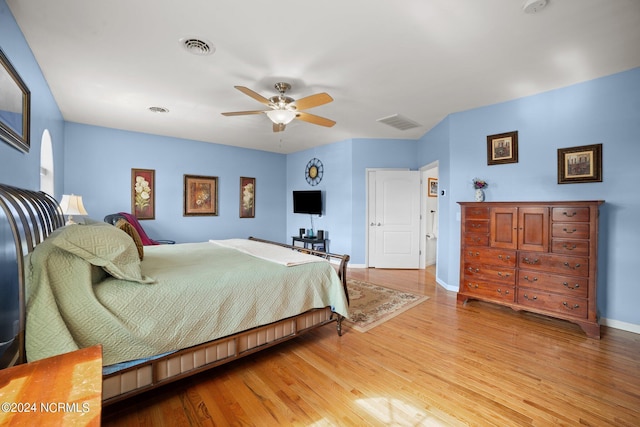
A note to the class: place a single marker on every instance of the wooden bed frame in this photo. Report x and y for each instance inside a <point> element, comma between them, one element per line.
<point>28,217</point>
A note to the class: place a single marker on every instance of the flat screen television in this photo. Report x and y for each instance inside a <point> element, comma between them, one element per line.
<point>308,202</point>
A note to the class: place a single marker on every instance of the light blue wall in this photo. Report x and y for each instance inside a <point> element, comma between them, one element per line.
<point>96,162</point>
<point>344,187</point>
<point>434,146</point>
<point>607,111</point>
<point>99,168</point>
<point>337,192</point>
<point>18,168</point>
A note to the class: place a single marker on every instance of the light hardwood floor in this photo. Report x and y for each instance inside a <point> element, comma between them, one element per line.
<point>437,364</point>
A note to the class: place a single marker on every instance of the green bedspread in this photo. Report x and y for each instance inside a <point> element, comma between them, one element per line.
<point>185,294</point>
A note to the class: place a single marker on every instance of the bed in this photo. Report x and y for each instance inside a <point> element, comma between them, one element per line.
<point>161,313</point>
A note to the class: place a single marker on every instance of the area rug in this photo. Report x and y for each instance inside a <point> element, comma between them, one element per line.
<point>371,304</point>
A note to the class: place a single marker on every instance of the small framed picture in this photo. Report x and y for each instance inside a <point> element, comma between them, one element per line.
<point>433,187</point>
<point>580,164</point>
<point>200,195</point>
<point>143,198</point>
<point>247,197</point>
<point>502,148</point>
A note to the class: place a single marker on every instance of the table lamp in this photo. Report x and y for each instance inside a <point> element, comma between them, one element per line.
<point>72,205</point>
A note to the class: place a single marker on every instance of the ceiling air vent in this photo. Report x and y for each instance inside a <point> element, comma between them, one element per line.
<point>197,46</point>
<point>399,122</point>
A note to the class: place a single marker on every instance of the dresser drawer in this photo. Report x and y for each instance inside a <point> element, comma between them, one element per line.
<point>490,256</point>
<point>473,271</point>
<point>571,286</point>
<point>577,214</point>
<point>479,212</point>
<point>489,290</point>
<point>572,247</point>
<point>471,226</point>
<point>569,230</point>
<point>476,239</point>
<point>568,265</point>
<point>541,300</point>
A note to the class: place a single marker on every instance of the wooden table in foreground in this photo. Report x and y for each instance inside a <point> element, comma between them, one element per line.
<point>60,390</point>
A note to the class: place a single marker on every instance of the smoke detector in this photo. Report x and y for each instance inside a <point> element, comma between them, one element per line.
<point>533,6</point>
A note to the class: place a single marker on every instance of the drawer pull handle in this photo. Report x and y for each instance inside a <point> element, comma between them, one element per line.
<point>569,232</point>
<point>531,299</point>
<point>475,225</point>
<point>508,257</point>
<point>566,264</point>
<point>569,248</point>
<point>569,214</point>
<point>576,286</point>
<point>500,291</point>
<point>472,286</point>
<point>535,279</point>
<point>528,261</point>
<point>504,275</point>
<point>571,308</point>
<point>472,254</point>
<point>473,270</point>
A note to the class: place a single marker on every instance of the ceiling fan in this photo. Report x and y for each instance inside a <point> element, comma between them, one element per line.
<point>284,109</point>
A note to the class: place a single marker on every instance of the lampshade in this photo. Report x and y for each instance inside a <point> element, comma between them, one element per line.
<point>281,116</point>
<point>72,205</point>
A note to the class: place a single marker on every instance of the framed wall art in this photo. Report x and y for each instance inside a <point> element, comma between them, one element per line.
<point>200,195</point>
<point>143,188</point>
<point>502,148</point>
<point>247,197</point>
<point>580,164</point>
<point>15,107</point>
<point>432,185</point>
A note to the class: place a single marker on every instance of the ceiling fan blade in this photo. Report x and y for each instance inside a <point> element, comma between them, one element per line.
<point>243,113</point>
<point>316,120</point>
<point>313,101</point>
<point>278,127</point>
<point>254,95</point>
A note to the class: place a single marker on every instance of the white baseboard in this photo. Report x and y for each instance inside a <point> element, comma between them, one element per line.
<point>447,287</point>
<point>356,265</point>
<point>616,324</point>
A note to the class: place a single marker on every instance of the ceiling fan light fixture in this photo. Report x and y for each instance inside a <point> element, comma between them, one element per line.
<point>281,117</point>
<point>533,6</point>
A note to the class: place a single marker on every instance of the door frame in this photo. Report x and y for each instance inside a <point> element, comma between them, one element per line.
<point>424,215</point>
<point>367,172</point>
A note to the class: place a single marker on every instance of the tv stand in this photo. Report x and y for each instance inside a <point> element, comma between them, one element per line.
<point>311,243</point>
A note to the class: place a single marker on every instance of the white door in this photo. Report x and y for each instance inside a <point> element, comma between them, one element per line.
<point>396,224</point>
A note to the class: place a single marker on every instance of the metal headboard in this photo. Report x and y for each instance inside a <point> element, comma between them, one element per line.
<point>27,217</point>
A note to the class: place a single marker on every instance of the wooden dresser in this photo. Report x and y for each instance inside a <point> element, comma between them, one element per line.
<point>536,256</point>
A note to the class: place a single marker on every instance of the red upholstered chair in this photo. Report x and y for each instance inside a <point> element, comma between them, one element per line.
<point>146,240</point>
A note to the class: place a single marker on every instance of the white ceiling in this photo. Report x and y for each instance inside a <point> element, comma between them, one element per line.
<point>108,61</point>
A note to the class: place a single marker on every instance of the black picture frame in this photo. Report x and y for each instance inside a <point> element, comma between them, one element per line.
<point>200,195</point>
<point>15,107</point>
<point>580,164</point>
<point>502,148</point>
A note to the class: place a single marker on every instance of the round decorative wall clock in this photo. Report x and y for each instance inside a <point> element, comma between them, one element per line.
<point>314,171</point>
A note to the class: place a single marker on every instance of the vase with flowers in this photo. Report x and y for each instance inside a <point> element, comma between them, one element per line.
<point>479,185</point>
